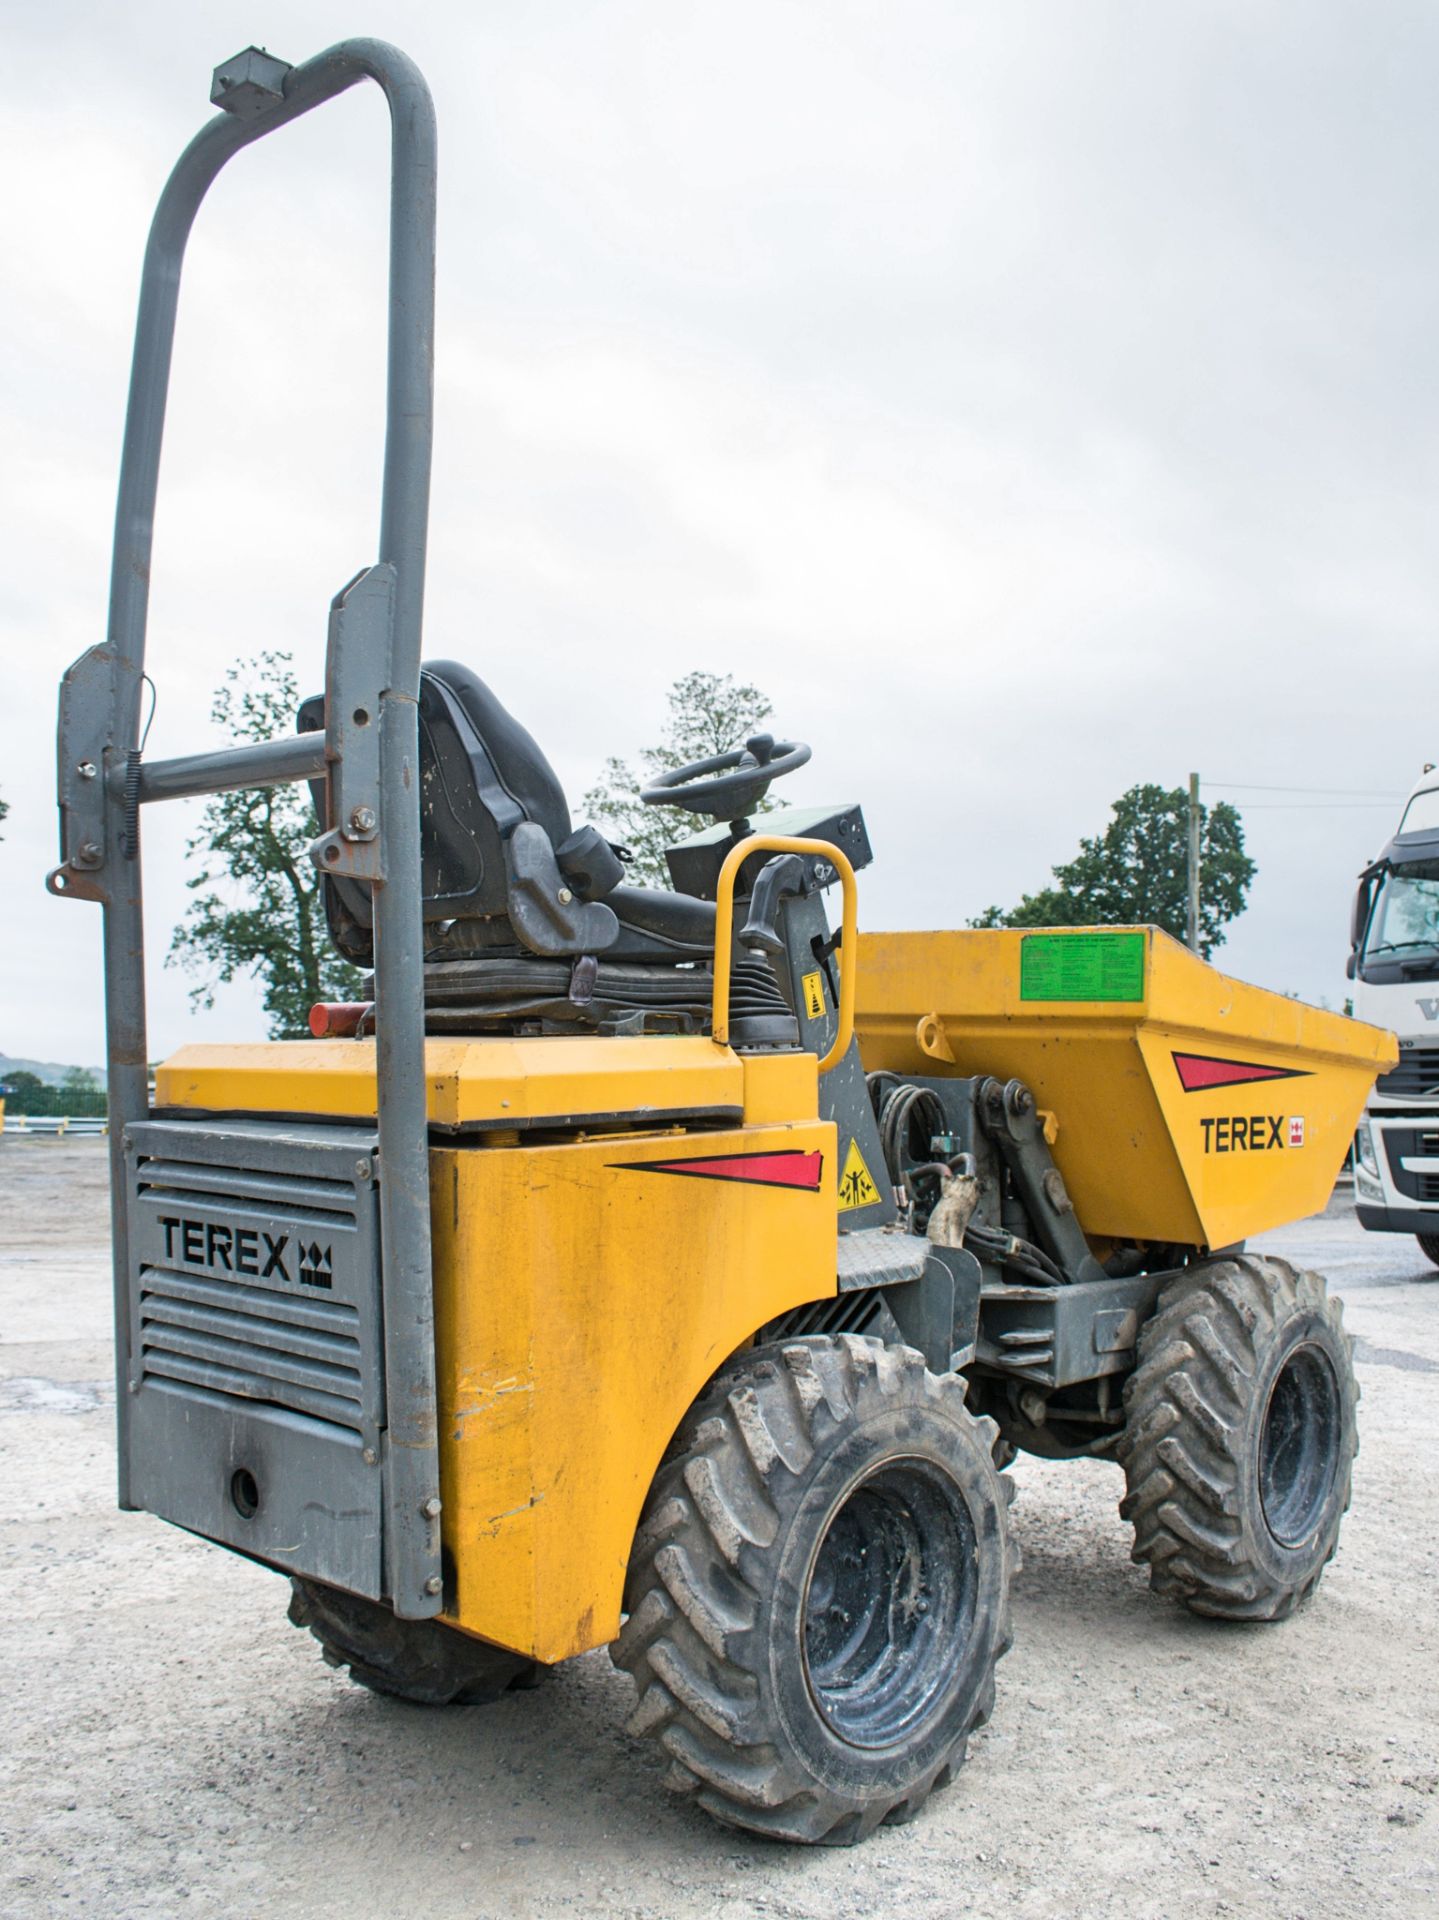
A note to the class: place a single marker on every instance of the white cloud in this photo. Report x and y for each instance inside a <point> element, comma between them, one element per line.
<point>1033,400</point>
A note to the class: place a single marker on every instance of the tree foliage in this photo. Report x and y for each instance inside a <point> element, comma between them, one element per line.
<point>1136,872</point>
<point>708,714</point>
<point>258,909</point>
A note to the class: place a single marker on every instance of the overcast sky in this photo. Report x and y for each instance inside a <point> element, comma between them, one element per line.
<point>1033,399</point>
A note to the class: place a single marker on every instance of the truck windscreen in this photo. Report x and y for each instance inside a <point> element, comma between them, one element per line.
<point>1401,941</point>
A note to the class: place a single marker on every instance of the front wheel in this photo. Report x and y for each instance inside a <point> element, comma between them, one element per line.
<point>819,1590</point>
<point>1239,1439</point>
<point>1429,1242</point>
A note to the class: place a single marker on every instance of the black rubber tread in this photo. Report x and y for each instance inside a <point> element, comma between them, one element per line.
<point>1429,1245</point>
<point>1195,1407</point>
<point>419,1660</point>
<point>706,1566</point>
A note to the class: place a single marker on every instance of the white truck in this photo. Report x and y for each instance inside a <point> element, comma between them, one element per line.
<point>1394,964</point>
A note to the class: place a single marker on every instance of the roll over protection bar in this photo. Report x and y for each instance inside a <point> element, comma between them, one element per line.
<point>373,657</point>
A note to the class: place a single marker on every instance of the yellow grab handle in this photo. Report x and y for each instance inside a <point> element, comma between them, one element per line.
<point>724,933</point>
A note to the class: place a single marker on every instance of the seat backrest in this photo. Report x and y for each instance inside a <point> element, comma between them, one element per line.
<point>481,773</point>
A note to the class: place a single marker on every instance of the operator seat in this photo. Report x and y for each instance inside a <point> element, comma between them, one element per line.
<point>504,873</point>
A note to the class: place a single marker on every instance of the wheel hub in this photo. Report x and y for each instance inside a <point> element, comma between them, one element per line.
<point>890,1602</point>
<point>1299,1445</point>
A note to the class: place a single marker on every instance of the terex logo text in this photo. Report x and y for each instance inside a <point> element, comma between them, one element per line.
<point>1253,1133</point>
<point>208,1243</point>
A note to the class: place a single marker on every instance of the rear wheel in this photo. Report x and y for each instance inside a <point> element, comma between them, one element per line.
<point>819,1590</point>
<point>1239,1439</point>
<point>1430,1244</point>
<point>419,1660</point>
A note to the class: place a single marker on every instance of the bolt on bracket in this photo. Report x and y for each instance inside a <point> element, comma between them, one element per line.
<point>357,672</point>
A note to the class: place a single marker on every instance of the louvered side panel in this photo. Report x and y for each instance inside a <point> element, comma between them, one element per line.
<point>257,1348</point>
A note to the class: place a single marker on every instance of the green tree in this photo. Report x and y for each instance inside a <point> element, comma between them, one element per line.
<point>708,714</point>
<point>80,1080</point>
<point>4,809</point>
<point>259,909</point>
<point>1136,872</point>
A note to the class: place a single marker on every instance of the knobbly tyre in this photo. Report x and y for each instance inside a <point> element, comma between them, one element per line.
<point>667,1270</point>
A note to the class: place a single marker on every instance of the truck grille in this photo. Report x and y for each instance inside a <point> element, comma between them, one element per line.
<point>1416,1074</point>
<point>1412,1143</point>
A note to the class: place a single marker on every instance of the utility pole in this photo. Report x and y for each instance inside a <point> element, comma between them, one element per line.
<point>1192,917</point>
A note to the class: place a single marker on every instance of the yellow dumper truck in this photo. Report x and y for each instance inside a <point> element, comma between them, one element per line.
<point>669,1270</point>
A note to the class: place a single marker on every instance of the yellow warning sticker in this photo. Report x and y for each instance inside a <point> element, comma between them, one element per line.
<point>856,1188</point>
<point>813,984</point>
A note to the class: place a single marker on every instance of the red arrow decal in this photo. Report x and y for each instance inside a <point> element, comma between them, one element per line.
<point>1199,1071</point>
<point>788,1168</point>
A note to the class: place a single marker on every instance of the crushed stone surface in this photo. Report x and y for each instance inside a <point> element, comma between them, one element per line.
<point>173,1747</point>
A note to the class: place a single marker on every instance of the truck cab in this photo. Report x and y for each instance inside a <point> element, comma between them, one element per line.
<point>1394,964</point>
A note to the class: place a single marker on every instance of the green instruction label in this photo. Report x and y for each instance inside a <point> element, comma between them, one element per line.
<point>1081,966</point>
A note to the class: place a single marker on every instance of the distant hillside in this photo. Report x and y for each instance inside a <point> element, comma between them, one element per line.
<point>51,1072</point>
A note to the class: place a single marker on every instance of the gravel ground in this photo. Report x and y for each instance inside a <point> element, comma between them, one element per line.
<point>172,1746</point>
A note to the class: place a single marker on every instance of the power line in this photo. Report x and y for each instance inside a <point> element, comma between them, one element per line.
<point>1351,793</point>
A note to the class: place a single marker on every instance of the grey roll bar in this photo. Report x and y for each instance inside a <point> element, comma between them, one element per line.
<point>372,670</point>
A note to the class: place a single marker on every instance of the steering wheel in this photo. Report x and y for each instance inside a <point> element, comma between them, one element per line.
<point>728,786</point>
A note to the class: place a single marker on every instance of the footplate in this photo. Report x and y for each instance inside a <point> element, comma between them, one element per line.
<point>257,1368</point>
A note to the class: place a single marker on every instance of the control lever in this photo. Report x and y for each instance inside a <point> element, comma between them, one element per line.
<point>779,878</point>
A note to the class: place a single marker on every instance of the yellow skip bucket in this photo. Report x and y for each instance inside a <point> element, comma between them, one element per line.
<point>1190,1106</point>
